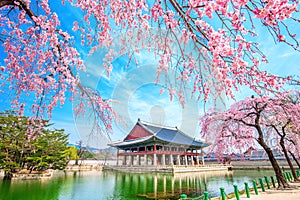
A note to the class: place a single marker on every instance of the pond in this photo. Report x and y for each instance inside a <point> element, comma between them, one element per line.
<point>118,186</point>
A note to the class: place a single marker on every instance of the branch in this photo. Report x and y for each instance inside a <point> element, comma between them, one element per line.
<point>182,16</point>
<point>276,130</point>
<point>246,123</point>
<point>6,3</point>
<point>20,4</point>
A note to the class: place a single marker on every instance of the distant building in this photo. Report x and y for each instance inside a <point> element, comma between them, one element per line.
<point>150,144</point>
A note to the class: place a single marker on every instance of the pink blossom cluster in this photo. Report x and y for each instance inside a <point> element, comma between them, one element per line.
<point>39,59</point>
<point>207,42</point>
<point>228,58</point>
<point>41,62</point>
<point>91,102</point>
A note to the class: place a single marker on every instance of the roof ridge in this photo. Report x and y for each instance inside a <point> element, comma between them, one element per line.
<point>158,125</point>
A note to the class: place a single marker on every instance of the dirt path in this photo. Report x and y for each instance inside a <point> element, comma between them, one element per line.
<point>274,194</point>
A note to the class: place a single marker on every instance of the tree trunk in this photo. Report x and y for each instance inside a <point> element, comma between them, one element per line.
<point>295,159</point>
<point>288,160</point>
<point>281,181</point>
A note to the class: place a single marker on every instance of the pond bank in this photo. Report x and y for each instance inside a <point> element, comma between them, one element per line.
<point>275,194</point>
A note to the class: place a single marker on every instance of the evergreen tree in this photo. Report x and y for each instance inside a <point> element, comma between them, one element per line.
<point>25,144</point>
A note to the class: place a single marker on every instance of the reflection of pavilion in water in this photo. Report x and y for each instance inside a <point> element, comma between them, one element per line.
<point>166,186</point>
<point>151,147</point>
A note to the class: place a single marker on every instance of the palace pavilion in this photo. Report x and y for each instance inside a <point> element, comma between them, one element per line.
<point>150,145</point>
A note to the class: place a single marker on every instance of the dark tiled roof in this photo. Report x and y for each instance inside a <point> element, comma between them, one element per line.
<point>176,136</point>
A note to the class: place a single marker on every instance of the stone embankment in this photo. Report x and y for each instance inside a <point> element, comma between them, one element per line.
<point>31,176</point>
<point>84,167</point>
<point>87,165</point>
<point>255,164</point>
<point>258,164</point>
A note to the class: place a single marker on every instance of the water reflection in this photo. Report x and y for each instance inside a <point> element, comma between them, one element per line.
<point>164,186</point>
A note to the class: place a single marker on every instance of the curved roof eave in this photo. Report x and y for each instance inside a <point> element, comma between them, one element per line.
<point>130,142</point>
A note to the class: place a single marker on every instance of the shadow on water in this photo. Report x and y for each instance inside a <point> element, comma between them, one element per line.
<point>30,189</point>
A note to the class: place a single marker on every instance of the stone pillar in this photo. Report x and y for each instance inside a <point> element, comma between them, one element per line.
<point>145,160</point>
<point>154,159</point>
<point>138,159</point>
<point>132,160</point>
<point>203,160</point>
<point>124,160</point>
<point>178,160</point>
<point>118,157</point>
<point>171,160</point>
<point>129,160</point>
<point>197,159</point>
<point>163,157</point>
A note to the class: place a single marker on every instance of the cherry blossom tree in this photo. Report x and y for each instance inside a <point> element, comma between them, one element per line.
<point>211,44</point>
<point>246,124</point>
<point>283,119</point>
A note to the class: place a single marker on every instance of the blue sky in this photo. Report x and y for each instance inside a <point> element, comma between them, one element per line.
<point>138,95</point>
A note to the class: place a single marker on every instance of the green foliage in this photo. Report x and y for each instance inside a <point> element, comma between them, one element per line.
<point>72,153</point>
<point>26,143</point>
<point>87,155</point>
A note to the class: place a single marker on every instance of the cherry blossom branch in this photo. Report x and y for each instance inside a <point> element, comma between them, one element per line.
<point>55,60</point>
